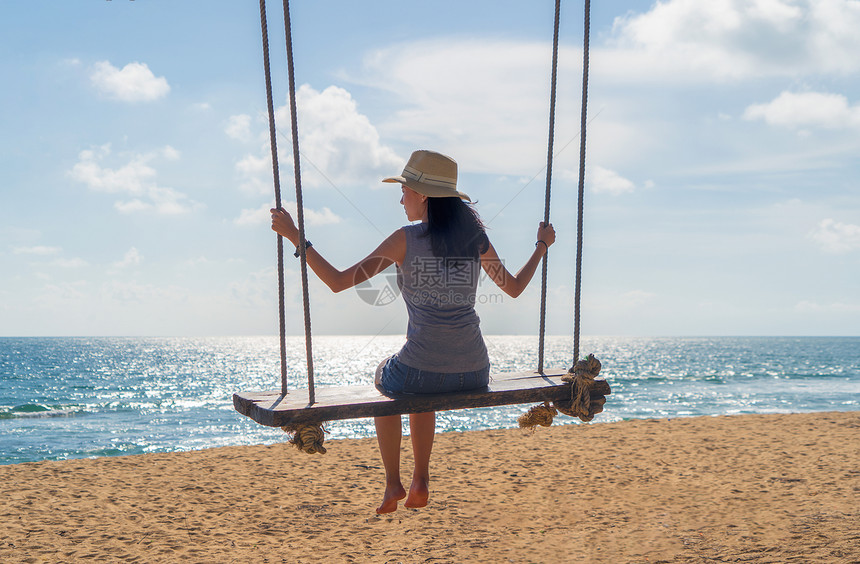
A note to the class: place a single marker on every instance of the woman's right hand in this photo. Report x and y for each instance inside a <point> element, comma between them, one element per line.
<point>283,225</point>
<point>546,233</point>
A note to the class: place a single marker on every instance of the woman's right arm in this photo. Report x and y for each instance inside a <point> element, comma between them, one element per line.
<point>392,250</point>
<point>514,285</point>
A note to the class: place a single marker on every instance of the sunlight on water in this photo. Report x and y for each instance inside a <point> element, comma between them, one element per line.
<point>78,397</point>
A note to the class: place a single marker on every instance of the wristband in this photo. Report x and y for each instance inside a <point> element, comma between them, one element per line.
<point>308,245</point>
<point>542,241</point>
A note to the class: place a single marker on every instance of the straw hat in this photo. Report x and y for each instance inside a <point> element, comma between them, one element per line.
<point>432,174</point>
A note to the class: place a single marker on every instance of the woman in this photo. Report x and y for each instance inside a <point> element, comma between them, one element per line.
<point>438,267</point>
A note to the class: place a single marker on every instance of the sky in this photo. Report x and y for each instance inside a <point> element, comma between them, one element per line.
<point>722,192</point>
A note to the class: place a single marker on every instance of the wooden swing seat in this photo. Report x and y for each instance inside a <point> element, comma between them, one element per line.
<point>350,402</point>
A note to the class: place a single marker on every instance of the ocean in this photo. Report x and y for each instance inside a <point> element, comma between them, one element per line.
<point>64,398</point>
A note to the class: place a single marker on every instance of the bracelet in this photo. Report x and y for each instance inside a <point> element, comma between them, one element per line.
<point>308,245</point>
<point>542,241</point>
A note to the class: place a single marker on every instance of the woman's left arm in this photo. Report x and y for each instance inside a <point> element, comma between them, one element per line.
<point>514,284</point>
<point>390,251</point>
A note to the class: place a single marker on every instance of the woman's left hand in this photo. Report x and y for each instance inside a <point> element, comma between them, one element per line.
<point>546,233</point>
<point>283,225</point>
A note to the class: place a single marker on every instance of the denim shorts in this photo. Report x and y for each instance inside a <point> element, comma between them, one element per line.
<point>394,377</point>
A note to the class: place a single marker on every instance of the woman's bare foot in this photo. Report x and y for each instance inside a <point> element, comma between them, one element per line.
<point>393,494</point>
<point>419,493</point>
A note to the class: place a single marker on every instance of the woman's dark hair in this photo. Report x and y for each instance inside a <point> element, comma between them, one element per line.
<point>455,229</point>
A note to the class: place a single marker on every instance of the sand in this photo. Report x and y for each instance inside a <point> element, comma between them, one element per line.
<point>751,488</point>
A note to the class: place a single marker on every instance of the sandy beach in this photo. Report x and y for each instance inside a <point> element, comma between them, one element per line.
<point>751,488</point>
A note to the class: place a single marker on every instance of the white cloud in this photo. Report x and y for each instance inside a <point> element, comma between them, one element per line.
<point>256,185</point>
<point>170,153</point>
<point>37,250</point>
<point>61,294</point>
<point>256,174</point>
<point>252,165</point>
<point>438,82</point>
<point>129,178</point>
<point>601,179</point>
<point>135,179</point>
<point>131,291</point>
<point>731,39</point>
<point>69,262</point>
<point>132,257</point>
<point>132,206</point>
<point>320,217</point>
<point>807,109</point>
<point>167,201</point>
<point>239,127</point>
<point>46,251</point>
<point>133,83</point>
<point>254,216</point>
<point>338,140</point>
<point>255,290</point>
<point>339,145</point>
<point>835,237</point>
<point>262,215</point>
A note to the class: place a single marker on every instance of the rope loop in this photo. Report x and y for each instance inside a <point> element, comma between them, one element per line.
<point>542,415</point>
<point>307,437</point>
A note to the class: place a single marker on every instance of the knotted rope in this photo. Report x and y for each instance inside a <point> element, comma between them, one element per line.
<point>581,383</point>
<point>308,437</point>
<point>580,404</point>
<point>542,415</point>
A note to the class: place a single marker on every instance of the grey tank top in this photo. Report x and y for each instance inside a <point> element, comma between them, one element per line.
<point>444,332</point>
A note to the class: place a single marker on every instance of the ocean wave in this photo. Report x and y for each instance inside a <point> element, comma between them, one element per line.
<point>35,410</point>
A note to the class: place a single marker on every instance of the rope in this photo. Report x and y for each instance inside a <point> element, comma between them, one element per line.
<point>582,374</point>
<point>538,415</point>
<point>581,382</point>
<point>273,142</point>
<point>300,210</point>
<point>583,123</point>
<point>548,183</point>
<point>307,438</point>
<point>581,403</point>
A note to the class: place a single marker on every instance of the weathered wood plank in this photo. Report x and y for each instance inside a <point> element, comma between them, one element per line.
<point>350,402</point>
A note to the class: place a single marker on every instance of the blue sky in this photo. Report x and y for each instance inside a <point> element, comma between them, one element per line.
<point>722,191</point>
